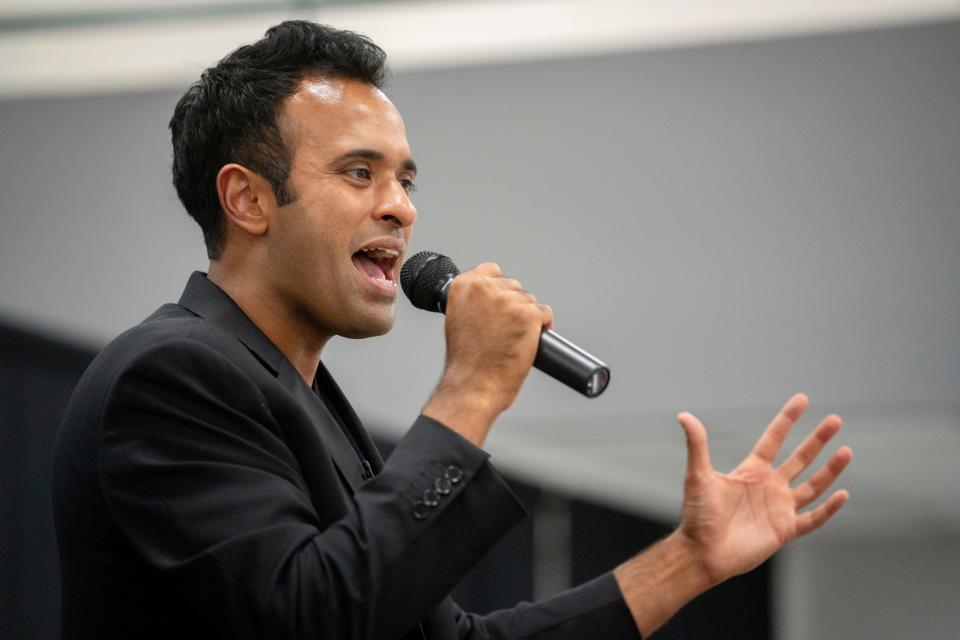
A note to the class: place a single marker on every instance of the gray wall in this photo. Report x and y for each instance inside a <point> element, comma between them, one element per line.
<point>724,225</point>
<point>869,589</point>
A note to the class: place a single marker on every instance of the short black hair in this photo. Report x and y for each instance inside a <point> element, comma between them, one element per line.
<point>230,113</point>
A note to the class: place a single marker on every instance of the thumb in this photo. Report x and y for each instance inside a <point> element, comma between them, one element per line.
<point>698,456</point>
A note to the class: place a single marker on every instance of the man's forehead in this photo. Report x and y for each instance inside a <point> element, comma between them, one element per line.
<point>332,105</point>
<point>329,113</point>
<point>335,91</point>
<point>323,89</point>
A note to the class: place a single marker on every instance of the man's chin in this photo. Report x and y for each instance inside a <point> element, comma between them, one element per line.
<point>370,327</point>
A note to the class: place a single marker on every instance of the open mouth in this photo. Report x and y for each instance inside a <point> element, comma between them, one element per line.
<point>377,264</point>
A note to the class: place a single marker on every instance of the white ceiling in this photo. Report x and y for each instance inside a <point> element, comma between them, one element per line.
<point>169,51</point>
<point>19,8</point>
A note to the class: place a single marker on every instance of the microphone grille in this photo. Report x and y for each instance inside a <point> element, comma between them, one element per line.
<point>421,277</point>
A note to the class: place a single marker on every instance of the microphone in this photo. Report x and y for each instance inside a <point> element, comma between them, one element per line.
<point>426,277</point>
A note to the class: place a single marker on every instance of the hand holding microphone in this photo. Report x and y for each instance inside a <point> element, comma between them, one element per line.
<point>498,316</point>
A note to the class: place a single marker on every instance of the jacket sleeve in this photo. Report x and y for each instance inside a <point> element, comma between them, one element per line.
<point>196,474</point>
<point>594,610</point>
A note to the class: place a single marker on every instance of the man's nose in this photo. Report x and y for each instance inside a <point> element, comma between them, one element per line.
<point>395,206</point>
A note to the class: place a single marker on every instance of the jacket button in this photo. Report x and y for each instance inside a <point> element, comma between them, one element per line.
<point>431,498</point>
<point>453,473</point>
<point>442,486</point>
<point>420,510</point>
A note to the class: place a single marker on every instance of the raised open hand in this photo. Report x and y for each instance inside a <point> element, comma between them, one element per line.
<point>736,521</point>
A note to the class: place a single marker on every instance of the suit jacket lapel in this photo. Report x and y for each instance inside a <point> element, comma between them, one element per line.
<point>336,442</point>
<point>205,299</point>
<point>350,418</point>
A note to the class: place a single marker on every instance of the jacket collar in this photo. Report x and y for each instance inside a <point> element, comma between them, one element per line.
<point>205,299</point>
<point>208,301</point>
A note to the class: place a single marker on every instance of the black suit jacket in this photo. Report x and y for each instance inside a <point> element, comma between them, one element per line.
<point>202,489</point>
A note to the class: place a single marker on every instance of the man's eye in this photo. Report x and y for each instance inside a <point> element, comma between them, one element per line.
<point>408,185</point>
<point>360,172</point>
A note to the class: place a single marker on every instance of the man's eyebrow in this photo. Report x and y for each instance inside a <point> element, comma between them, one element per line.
<point>374,155</point>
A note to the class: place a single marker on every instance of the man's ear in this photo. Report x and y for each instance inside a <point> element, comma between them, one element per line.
<point>246,198</point>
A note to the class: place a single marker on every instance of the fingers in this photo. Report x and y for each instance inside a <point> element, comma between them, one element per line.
<point>546,313</point>
<point>814,519</point>
<point>810,448</point>
<point>768,446</point>
<point>542,314</point>
<point>806,492</point>
<point>510,283</point>
<point>487,269</point>
<point>698,454</point>
<point>491,270</point>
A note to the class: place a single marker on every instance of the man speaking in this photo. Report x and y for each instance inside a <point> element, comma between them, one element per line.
<point>211,480</point>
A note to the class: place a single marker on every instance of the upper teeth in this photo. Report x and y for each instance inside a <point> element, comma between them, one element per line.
<point>383,252</point>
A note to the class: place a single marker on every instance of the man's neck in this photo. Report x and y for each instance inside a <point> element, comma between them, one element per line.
<point>282,325</point>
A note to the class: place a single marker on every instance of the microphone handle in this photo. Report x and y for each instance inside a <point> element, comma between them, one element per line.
<point>564,361</point>
<point>558,358</point>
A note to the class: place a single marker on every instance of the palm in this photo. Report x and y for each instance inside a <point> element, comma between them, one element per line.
<point>738,520</point>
